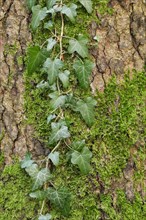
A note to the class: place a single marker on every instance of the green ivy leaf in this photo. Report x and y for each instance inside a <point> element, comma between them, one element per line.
<point>45,217</point>
<point>50,118</point>
<point>51,43</point>
<point>38,14</point>
<point>82,159</point>
<point>32,170</point>
<point>64,78</point>
<point>70,12</point>
<point>57,100</point>
<point>40,195</point>
<point>52,67</point>
<point>27,162</point>
<point>50,3</point>
<point>83,71</point>
<point>31,3</point>
<point>41,177</point>
<point>86,108</point>
<point>78,145</point>
<point>54,157</point>
<point>48,25</point>
<point>36,57</point>
<point>79,46</point>
<point>59,132</point>
<point>60,198</point>
<point>87,4</point>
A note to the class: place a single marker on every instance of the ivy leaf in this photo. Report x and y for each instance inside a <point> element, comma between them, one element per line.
<point>87,4</point>
<point>86,108</point>
<point>38,14</point>
<point>82,159</point>
<point>59,132</point>
<point>83,71</point>
<point>60,198</point>
<point>57,101</point>
<point>27,162</point>
<point>64,78</point>
<point>32,170</point>
<point>52,67</point>
<point>50,118</point>
<point>36,57</point>
<point>79,46</point>
<point>48,25</point>
<point>78,145</point>
<point>31,3</point>
<point>40,195</point>
<point>51,43</point>
<point>41,177</point>
<point>70,12</point>
<point>50,3</point>
<point>54,157</point>
<point>45,217</point>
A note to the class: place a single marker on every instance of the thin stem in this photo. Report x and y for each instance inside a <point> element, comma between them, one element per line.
<point>61,34</point>
<point>43,204</point>
<point>55,147</point>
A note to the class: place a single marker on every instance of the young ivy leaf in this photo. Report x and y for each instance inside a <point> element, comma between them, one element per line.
<point>60,198</point>
<point>86,108</point>
<point>31,3</point>
<point>32,170</point>
<point>40,195</point>
<point>59,132</point>
<point>36,57</point>
<point>50,3</point>
<point>50,118</point>
<point>57,100</point>
<point>52,67</point>
<point>70,12</point>
<point>54,157</point>
<point>41,177</point>
<point>78,145</point>
<point>64,78</point>
<point>87,4</point>
<point>51,43</point>
<point>83,71</point>
<point>45,217</point>
<point>82,159</point>
<point>79,46</point>
<point>27,162</point>
<point>38,14</point>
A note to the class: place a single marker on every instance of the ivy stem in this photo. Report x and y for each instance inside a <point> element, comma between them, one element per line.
<point>43,204</point>
<point>61,34</point>
<point>55,147</point>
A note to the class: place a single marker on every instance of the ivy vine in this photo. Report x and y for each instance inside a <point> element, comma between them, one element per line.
<point>49,58</point>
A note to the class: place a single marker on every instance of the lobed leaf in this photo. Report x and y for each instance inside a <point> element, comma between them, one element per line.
<point>70,12</point>
<point>79,45</point>
<point>83,71</point>
<point>60,198</point>
<point>86,108</point>
<point>87,4</point>
<point>64,78</point>
<point>51,43</point>
<point>50,3</point>
<point>54,157</point>
<point>59,132</point>
<point>41,177</point>
<point>82,159</point>
<point>36,57</point>
<point>45,217</point>
<point>38,14</point>
<point>40,195</point>
<point>31,3</point>
<point>52,67</point>
<point>27,162</point>
<point>57,100</point>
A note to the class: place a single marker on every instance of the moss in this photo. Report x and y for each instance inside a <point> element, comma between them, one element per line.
<point>15,202</point>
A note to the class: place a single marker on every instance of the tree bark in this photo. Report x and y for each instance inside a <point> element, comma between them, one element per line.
<point>15,137</point>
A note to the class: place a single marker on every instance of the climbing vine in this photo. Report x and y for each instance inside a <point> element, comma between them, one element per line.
<point>51,60</point>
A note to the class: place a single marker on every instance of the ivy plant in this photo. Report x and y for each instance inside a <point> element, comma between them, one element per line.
<point>53,66</point>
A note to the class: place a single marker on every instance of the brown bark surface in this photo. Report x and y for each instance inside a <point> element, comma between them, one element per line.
<point>15,137</point>
<point>122,41</point>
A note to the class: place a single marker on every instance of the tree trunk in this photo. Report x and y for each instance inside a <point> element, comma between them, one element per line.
<point>15,137</point>
<point>122,41</point>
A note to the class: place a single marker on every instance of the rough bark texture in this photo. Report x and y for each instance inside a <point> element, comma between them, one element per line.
<point>122,41</point>
<point>121,47</point>
<point>15,137</point>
